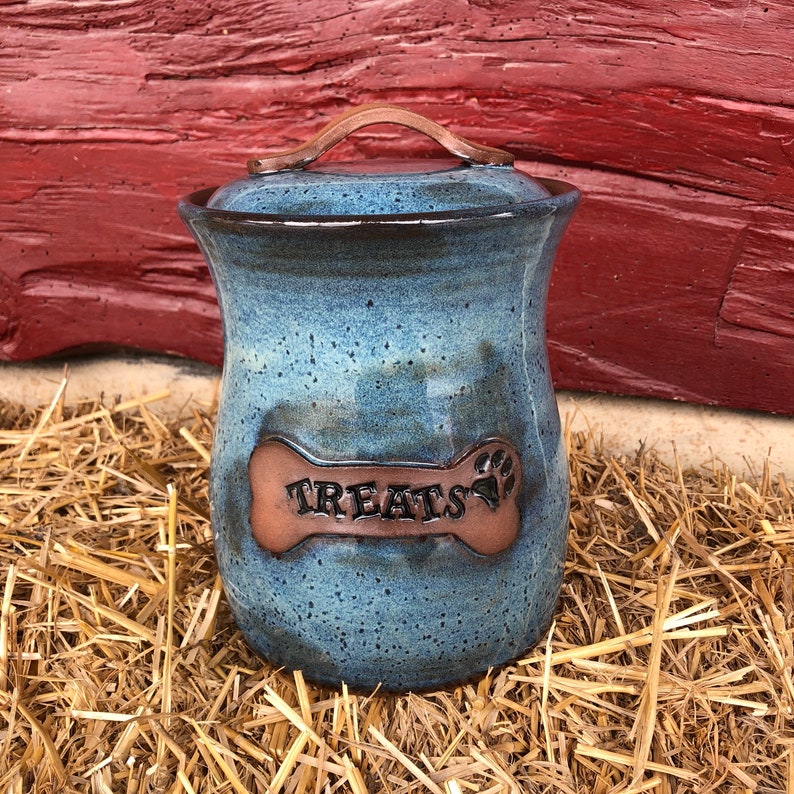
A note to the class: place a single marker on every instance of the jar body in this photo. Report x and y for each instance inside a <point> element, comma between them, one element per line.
<point>376,345</point>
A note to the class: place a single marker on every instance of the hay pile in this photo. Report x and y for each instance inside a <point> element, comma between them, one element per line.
<point>668,669</point>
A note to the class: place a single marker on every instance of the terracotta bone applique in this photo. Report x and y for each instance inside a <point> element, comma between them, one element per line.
<point>295,496</point>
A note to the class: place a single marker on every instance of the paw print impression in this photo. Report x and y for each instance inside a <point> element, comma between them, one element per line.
<point>498,477</point>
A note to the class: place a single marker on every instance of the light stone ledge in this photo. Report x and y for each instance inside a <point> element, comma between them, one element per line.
<point>699,436</point>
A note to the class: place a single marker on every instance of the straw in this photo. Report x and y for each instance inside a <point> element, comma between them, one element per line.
<point>667,668</point>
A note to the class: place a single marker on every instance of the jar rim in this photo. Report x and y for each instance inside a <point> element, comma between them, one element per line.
<point>562,193</point>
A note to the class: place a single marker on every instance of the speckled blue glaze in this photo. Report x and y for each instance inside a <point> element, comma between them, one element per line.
<point>401,336</point>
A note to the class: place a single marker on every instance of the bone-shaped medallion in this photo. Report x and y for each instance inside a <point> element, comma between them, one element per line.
<point>474,498</point>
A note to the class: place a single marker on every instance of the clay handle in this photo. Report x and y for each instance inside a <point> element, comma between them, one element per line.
<point>377,113</point>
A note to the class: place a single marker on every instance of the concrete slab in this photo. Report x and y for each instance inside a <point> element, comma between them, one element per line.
<point>698,435</point>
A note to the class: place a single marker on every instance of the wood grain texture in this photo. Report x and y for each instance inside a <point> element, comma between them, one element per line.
<point>675,279</point>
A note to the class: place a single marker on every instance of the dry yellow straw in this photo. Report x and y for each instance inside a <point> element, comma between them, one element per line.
<point>169,634</point>
<point>667,667</point>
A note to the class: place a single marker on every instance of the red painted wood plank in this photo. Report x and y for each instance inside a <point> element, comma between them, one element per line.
<point>760,295</point>
<point>677,123</point>
<point>654,292</point>
<point>719,108</point>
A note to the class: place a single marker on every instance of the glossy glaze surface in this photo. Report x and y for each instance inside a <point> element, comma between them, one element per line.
<point>378,187</point>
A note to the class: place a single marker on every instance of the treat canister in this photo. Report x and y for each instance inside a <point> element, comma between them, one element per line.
<point>388,484</point>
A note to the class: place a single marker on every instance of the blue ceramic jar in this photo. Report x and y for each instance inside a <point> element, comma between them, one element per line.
<point>388,485</point>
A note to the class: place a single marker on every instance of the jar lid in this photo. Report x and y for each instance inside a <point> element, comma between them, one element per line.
<point>290,183</point>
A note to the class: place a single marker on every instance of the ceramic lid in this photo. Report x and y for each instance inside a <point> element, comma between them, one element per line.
<point>290,183</point>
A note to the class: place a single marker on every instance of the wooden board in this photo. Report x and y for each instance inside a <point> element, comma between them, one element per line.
<point>675,280</point>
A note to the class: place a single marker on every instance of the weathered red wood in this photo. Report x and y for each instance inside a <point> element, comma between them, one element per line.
<point>664,319</point>
<point>759,296</point>
<point>675,279</point>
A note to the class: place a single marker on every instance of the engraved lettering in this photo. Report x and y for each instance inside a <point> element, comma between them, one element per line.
<point>328,496</point>
<point>425,495</point>
<point>476,498</point>
<point>361,495</point>
<point>300,490</point>
<point>455,502</point>
<point>399,501</point>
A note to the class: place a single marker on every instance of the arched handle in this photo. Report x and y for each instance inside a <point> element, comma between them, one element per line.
<point>377,113</point>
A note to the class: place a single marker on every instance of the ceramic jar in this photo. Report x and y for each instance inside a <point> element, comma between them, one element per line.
<point>389,489</point>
